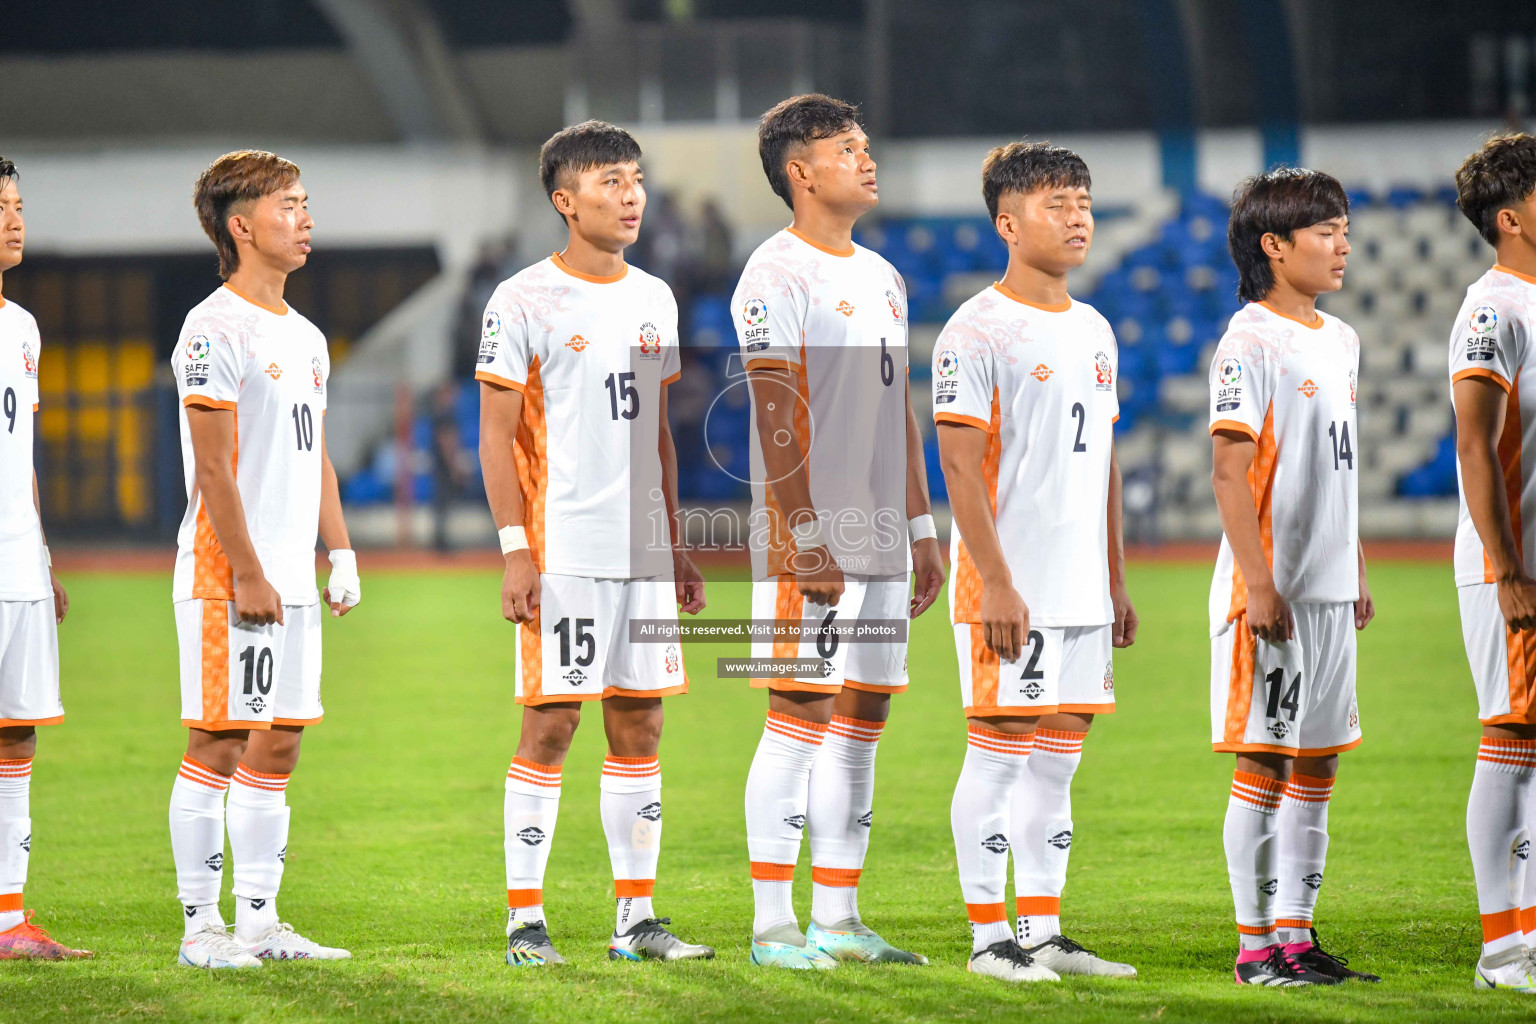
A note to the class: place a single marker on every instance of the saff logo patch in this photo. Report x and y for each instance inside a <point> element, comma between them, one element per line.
<point>1484,320</point>
<point>754,312</point>
<point>198,347</point>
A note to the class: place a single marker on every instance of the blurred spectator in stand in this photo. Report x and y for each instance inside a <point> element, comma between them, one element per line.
<point>489,271</point>
<point>716,267</point>
<point>449,474</point>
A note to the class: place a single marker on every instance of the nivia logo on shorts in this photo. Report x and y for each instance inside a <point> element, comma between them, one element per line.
<point>532,835</point>
<point>1269,888</point>
<point>995,843</point>
<point>651,811</point>
<point>256,704</point>
<point>1279,730</point>
<point>795,821</point>
<point>216,862</point>
<point>867,819</point>
<point>1033,690</point>
<point>574,677</point>
<point>1522,849</point>
<point>1313,881</point>
<point>1061,840</point>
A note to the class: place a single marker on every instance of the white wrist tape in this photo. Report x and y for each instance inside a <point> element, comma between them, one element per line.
<point>48,556</point>
<point>922,528</point>
<point>344,587</point>
<point>513,538</point>
<point>808,535</point>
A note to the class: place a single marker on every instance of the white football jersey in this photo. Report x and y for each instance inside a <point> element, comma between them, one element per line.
<point>269,367</point>
<point>1492,337</point>
<point>590,355</point>
<point>838,321</point>
<point>1290,386</point>
<point>23,567</point>
<point>1040,380</point>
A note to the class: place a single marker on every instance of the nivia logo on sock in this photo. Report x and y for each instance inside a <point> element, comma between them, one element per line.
<point>531,835</point>
<point>1313,881</point>
<point>795,821</point>
<point>26,843</point>
<point>651,811</point>
<point>867,819</point>
<point>191,911</point>
<point>1269,888</point>
<point>258,904</point>
<point>216,862</point>
<point>995,843</point>
<point>1522,849</point>
<point>1061,840</point>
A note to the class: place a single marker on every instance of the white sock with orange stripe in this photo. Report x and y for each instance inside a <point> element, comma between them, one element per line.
<point>1302,824</point>
<point>257,819</point>
<point>532,804</point>
<point>978,818</point>
<point>839,815</point>
<point>777,796</point>
<point>1250,836</point>
<point>197,842</point>
<point>630,806</point>
<point>1498,833</point>
<point>16,834</point>
<point>1041,835</point>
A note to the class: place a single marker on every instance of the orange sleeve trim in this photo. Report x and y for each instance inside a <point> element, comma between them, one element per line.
<point>1478,371</point>
<point>965,421</point>
<point>491,378</point>
<point>209,403</point>
<point>34,407</point>
<point>672,379</point>
<point>1236,426</point>
<point>763,363</point>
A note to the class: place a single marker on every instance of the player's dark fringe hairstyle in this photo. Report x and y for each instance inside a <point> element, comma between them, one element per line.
<point>582,147</point>
<point>1028,166</point>
<point>230,184</point>
<point>1497,176</point>
<point>1280,202</point>
<point>8,170</point>
<point>796,122</point>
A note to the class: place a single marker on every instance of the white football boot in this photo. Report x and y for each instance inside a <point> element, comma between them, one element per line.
<point>1514,969</point>
<point>215,947</point>
<point>1064,956</point>
<point>1006,960</point>
<point>281,942</point>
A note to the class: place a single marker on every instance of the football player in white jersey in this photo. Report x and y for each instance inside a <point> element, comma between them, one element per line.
<point>251,373</point>
<point>32,601</point>
<point>840,498</point>
<point>576,353</point>
<point>1024,398</point>
<point>1289,590</point>
<point>1492,342</point>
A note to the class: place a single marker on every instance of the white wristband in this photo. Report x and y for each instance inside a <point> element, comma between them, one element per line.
<point>922,528</point>
<point>808,535</point>
<point>48,556</point>
<point>513,538</point>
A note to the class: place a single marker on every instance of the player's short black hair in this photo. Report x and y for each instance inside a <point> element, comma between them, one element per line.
<point>1027,166</point>
<point>1284,200</point>
<point>798,121</point>
<point>1497,176</point>
<point>582,147</point>
<point>8,170</point>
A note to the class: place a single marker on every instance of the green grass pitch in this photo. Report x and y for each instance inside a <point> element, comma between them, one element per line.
<point>396,841</point>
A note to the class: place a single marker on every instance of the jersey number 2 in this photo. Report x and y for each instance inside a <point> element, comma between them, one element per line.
<point>1081,415</point>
